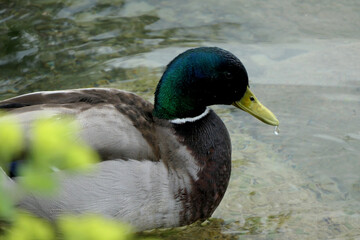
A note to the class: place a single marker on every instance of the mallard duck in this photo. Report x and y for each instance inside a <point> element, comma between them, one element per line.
<point>163,165</point>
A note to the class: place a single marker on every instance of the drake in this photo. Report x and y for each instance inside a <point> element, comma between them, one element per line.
<point>163,165</point>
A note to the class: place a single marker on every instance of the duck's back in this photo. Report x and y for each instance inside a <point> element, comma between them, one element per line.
<point>117,124</point>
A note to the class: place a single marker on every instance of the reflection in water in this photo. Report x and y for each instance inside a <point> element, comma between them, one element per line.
<point>302,58</point>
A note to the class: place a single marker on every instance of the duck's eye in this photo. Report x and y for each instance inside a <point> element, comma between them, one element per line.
<point>228,75</point>
<point>252,98</point>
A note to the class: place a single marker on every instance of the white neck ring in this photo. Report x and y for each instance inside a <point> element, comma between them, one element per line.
<point>190,119</point>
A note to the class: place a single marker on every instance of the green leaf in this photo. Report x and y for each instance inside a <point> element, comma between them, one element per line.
<point>7,210</point>
<point>92,227</point>
<point>56,144</point>
<point>11,139</point>
<point>28,227</point>
<point>37,179</point>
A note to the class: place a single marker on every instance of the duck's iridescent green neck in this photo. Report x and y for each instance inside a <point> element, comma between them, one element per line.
<point>170,99</point>
<point>180,92</point>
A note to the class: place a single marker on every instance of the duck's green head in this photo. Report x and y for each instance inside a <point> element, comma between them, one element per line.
<point>206,76</point>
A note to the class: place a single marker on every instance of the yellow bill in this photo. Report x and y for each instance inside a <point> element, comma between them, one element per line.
<point>250,104</point>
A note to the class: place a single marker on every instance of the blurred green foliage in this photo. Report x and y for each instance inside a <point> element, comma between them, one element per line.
<point>27,227</point>
<point>93,227</point>
<point>54,144</point>
<point>11,139</point>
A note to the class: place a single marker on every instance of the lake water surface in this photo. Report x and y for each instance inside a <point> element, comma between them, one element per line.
<point>303,60</point>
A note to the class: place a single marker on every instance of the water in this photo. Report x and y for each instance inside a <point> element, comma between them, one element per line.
<point>276,130</point>
<point>302,57</point>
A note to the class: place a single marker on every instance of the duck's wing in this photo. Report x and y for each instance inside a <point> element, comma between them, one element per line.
<point>117,124</point>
